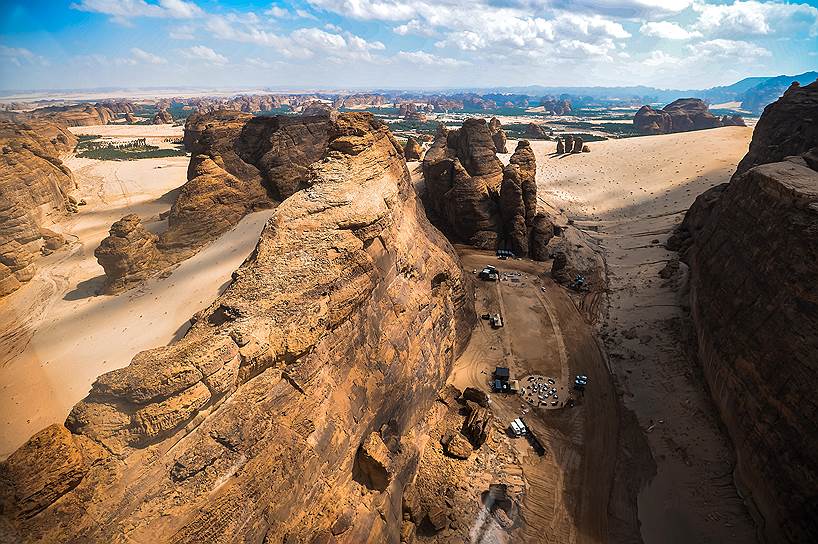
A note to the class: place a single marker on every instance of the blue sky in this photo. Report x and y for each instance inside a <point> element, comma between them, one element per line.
<point>344,44</point>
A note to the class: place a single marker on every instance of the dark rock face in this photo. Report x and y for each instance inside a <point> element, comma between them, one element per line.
<point>751,248</point>
<point>477,426</point>
<point>498,135</point>
<point>681,115</point>
<point>577,145</point>
<point>463,177</point>
<point>787,127</point>
<point>556,106</point>
<point>128,254</point>
<point>518,198</point>
<point>412,151</point>
<point>34,191</point>
<point>560,146</point>
<point>246,403</point>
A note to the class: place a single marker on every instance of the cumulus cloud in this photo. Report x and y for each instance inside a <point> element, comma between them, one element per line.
<point>427,59</point>
<point>122,11</point>
<point>744,18</point>
<point>206,54</point>
<point>660,58</point>
<point>668,31</point>
<point>736,50</point>
<point>148,58</point>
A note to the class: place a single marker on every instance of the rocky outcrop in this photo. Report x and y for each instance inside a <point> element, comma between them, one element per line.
<point>498,135</point>
<point>682,115</point>
<point>128,254</point>
<point>162,117</point>
<point>34,191</point>
<point>235,432</point>
<point>518,198</point>
<point>463,177</point>
<point>75,116</point>
<point>787,127</point>
<point>751,249</point>
<point>556,106</point>
<point>537,132</point>
<point>577,144</point>
<point>412,151</point>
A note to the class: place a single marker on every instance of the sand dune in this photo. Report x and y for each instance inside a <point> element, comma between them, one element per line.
<point>629,194</point>
<point>58,336</point>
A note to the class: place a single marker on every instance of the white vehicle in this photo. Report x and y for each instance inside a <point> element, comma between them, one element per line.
<point>518,428</point>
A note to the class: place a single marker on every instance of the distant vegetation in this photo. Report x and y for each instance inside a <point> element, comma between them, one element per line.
<point>88,148</point>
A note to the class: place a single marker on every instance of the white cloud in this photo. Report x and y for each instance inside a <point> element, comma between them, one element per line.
<point>277,11</point>
<point>148,58</point>
<point>743,18</point>
<point>257,63</point>
<point>20,56</point>
<point>668,31</point>
<point>204,53</point>
<point>734,50</point>
<point>414,26</point>
<point>628,8</point>
<point>121,11</point>
<point>182,32</point>
<point>427,59</point>
<point>660,58</point>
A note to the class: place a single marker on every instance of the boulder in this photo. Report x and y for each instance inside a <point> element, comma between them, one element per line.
<point>475,395</point>
<point>586,149</point>
<point>457,446</point>
<point>537,132</point>
<point>569,143</point>
<point>478,424</point>
<point>560,147</point>
<point>128,254</point>
<point>412,151</point>
<point>577,144</point>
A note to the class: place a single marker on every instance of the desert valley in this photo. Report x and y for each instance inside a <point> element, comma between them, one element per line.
<point>465,315</point>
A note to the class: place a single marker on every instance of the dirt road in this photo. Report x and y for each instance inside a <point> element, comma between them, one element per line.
<point>568,488</point>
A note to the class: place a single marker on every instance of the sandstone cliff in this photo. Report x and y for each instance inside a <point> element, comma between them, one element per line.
<point>753,257</point>
<point>463,177</point>
<point>681,115</point>
<point>34,189</point>
<point>75,116</point>
<point>288,412</point>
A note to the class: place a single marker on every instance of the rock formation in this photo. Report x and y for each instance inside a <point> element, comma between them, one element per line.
<point>681,115</point>
<point>75,116</point>
<point>569,143</point>
<point>577,144</point>
<point>234,432</point>
<point>463,177</point>
<point>751,249</point>
<point>498,135</point>
<point>518,198</point>
<point>560,147</point>
<point>412,151</point>
<point>128,254</point>
<point>537,132</point>
<point>162,117</point>
<point>34,191</point>
<point>556,106</point>
<point>787,127</point>
<point>130,118</point>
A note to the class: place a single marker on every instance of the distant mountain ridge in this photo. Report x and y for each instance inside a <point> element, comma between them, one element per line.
<point>757,97</point>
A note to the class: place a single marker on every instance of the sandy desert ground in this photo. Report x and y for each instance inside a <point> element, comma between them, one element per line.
<point>629,194</point>
<point>58,336</point>
<point>130,131</point>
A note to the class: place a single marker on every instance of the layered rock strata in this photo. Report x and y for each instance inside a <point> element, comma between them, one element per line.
<point>288,412</point>
<point>681,115</point>
<point>753,257</point>
<point>34,192</point>
<point>76,115</point>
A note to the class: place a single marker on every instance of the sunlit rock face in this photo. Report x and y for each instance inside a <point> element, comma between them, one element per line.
<point>292,406</point>
<point>35,188</point>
